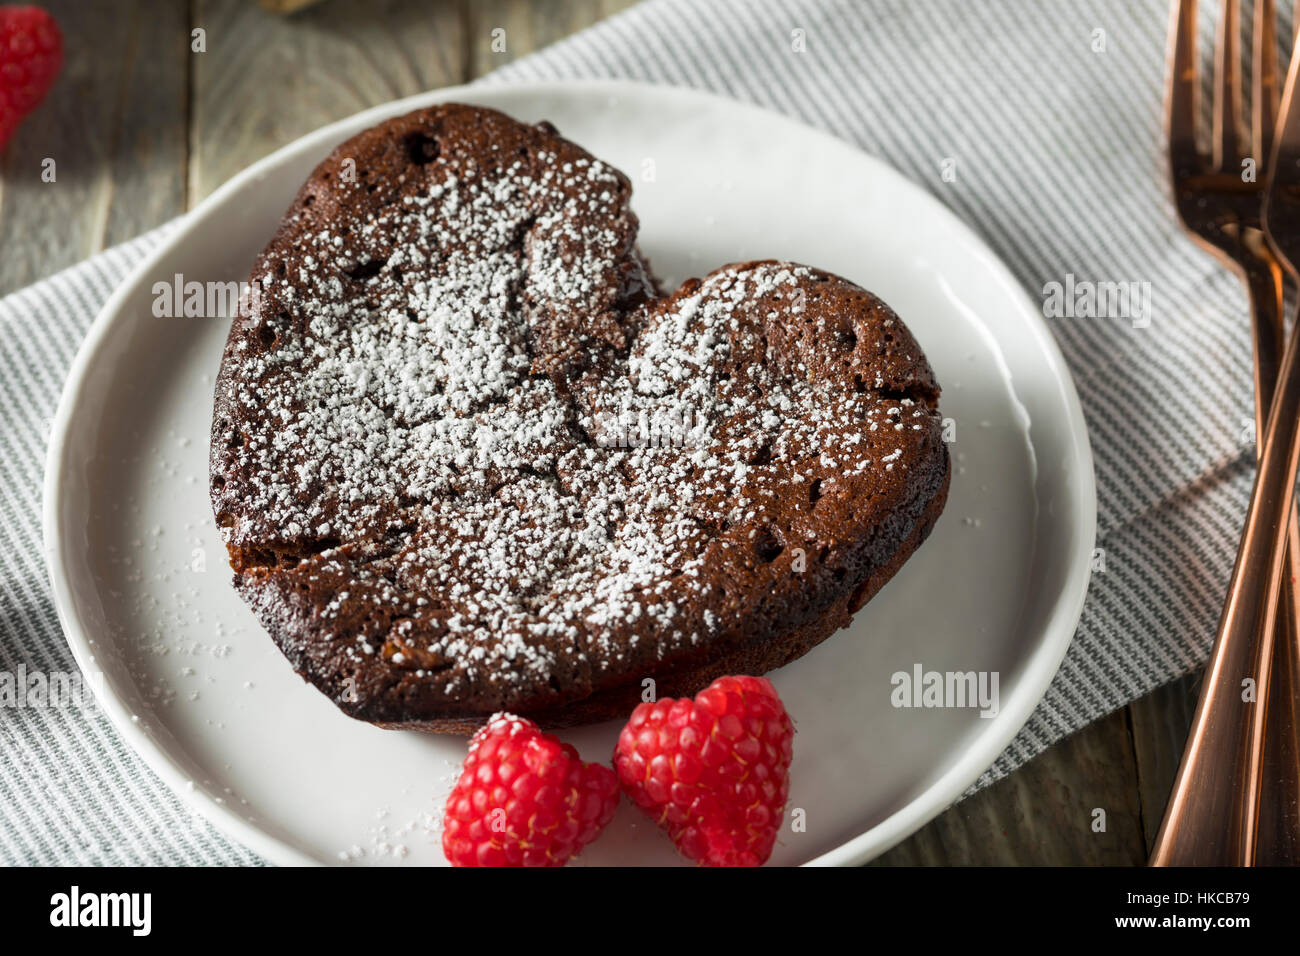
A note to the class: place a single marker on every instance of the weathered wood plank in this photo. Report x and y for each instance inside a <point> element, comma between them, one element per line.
<point>114,125</point>
<point>1043,814</point>
<point>1160,722</point>
<point>527,25</point>
<point>265,79</point>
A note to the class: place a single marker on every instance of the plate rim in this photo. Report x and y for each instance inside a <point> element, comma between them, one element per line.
<point>1041,665</point>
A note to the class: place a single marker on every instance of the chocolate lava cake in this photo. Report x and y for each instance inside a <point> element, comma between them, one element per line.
<point>466,457</point>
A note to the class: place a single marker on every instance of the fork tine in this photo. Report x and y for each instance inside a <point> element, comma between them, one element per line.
<point>1227,87</point>
<point>1265,90</point>
<point>1183,154</point>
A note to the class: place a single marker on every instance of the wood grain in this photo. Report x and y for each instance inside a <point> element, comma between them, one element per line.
<point>1044,813</point>
<point>1160,723</point>
<point>265,79</point>
<point>526,25</point>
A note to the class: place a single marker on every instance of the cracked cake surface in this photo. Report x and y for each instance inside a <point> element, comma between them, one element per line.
<point>467,458</point>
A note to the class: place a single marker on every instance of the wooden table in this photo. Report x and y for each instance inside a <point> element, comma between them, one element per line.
<point>141,127</point>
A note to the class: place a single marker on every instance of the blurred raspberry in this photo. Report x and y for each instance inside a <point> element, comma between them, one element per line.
<point>31,53</point>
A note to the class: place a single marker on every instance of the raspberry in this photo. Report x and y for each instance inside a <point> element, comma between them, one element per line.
<point>31,53</point>
<point>714,771</point>
<point>524,799</point>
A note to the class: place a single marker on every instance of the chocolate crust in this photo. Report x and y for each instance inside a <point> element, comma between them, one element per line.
<point>423,582</point>
<point>758,658</point>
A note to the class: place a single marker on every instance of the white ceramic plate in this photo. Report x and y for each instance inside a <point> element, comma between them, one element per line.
<point>197,688</point>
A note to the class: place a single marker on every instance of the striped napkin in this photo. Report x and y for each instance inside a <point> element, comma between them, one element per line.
<point>1050,112</point>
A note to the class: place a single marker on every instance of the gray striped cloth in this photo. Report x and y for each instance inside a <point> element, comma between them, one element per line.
<point>1053,113</point>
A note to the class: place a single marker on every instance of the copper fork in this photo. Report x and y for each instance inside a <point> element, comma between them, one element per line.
<point>1234,797</point>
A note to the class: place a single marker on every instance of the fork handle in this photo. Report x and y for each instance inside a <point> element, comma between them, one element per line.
<point>1204,823</point>
<point>1277,839</point>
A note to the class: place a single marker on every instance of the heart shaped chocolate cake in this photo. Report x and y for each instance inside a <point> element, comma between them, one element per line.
<point>466,457</point>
